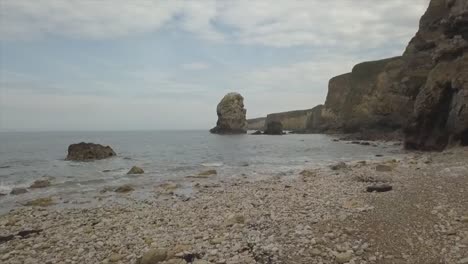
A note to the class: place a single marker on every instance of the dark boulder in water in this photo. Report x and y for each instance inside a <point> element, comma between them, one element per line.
<point>274,128</point>
<point>89,151</point>
<point>40,184</point>
<point>17,191</point>
<point>136,170</point>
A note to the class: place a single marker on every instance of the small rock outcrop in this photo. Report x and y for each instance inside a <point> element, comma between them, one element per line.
<point>136,170</point>
<point>18,191</point>
<point>89,151</point>
<point>274,128</point>
<point>40,184</point>
<point>231,115</point>
<point>124,189</point>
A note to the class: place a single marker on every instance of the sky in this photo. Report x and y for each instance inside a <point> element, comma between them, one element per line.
<point>144,65</point>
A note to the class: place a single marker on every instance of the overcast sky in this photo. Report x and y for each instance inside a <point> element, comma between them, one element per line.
<point>141,64</point>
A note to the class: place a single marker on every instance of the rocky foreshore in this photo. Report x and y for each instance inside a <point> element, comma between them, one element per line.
<point>324,215</point>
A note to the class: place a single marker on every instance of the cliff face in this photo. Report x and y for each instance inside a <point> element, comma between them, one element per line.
<point>369,97</point>
<point>423,91</point>
<point>440,115</point>
<point>292,120</point>
<point>256,123</point>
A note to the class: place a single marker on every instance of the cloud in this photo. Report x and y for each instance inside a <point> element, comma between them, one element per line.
<point>263,22</point>
<point>195,66</point>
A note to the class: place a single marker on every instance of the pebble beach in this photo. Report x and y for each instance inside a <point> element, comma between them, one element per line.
<point>323,215</point>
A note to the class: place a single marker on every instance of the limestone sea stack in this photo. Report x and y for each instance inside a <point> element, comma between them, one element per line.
<point>231,115</point>
<point>89,151</point>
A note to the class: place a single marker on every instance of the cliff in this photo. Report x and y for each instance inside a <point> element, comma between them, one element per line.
<point>256,123</point>
<point>424,91</point>
<point>297,120</point>
<point>440,114</point>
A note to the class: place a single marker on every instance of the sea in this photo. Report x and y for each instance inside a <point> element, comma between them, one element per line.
<point>165,156</point>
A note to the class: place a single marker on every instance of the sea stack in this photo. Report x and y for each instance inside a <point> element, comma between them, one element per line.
<point>89,151</point>
<point>231,115</point>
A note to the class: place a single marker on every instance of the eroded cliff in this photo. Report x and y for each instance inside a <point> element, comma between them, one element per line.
<point>424,91</point>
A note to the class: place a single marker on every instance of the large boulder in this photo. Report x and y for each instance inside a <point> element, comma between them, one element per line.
<point>274,128</point>
<point>89,151</point>
<point>231,115</point>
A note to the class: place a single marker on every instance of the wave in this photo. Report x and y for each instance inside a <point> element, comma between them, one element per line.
<point>212,164</point>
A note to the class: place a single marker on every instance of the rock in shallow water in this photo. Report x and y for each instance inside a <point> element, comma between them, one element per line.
<point>136,170</point>
<point>42,202</point>
<point>274,128</point>
<point>339,166</point>
<point>124,189</point>
<point>231,115</point>
<point>40,184</point>
<point>89,151</point>
<point>17,191</point>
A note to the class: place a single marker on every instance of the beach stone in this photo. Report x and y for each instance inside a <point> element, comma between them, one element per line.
<point>42,202</point>
<point>383,168</point>
<point>16,191</point>
<point>124,189</point>
<point>258,132</point>
<point>40,184</point>
<point>115,257</point>
<point>339,166</point>
<point>308,173</point>
<point>379,188</point>
<point>201,261</point>
<point>344,257</point>
<point>235,219</point>
<point>136,170</point>
<point>176,261</point>
<point>153,256</point>
<point>231,115</point>
<point>89,151</point>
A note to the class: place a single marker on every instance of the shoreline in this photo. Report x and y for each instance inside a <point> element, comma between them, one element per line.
<point>321,216</point>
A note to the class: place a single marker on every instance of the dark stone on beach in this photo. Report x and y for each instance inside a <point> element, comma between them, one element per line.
<point>339,166</point>
<point>89,151</point>
<point>136,170</point>
<point>379,188</point>
<point>365,143</point>
<point>2,194</point>
<point>40,184</point>
<point>17,191</point>
<point>274,128</point>
<point>258,132</point>
<point>4,239</point>
<point>23,234</point>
